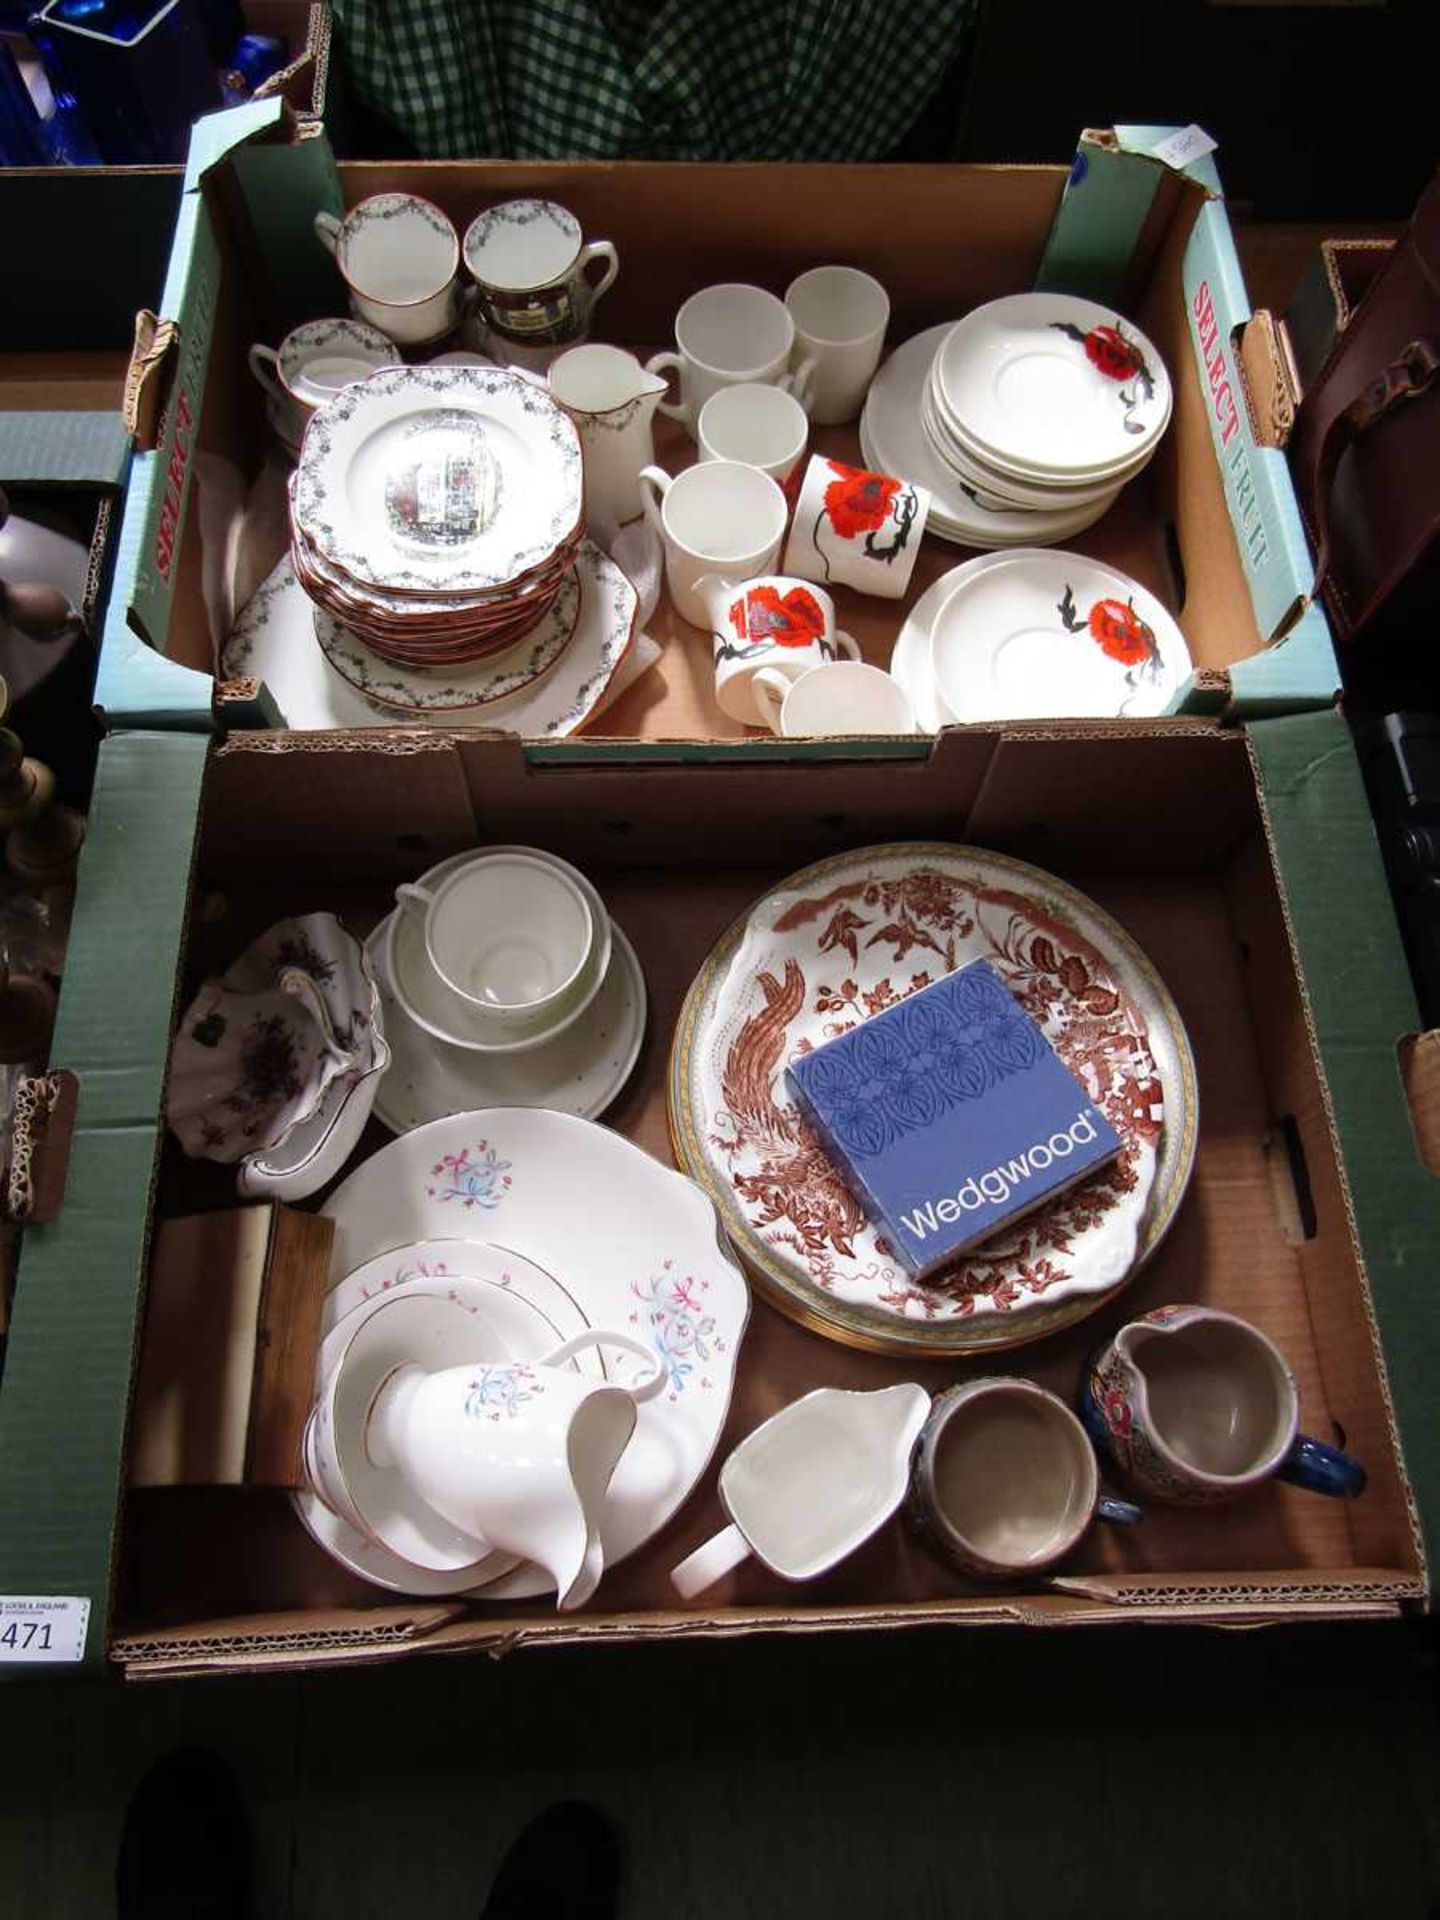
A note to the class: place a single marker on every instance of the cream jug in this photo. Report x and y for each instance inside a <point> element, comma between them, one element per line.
<point>612,400</point>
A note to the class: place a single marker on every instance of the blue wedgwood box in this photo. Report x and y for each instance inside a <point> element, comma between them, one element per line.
<point>950,1115</point>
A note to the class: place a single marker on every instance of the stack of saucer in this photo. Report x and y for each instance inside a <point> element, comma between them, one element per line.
<point>1025,419</point>
<point>509,958</point>
<point>436,511</point>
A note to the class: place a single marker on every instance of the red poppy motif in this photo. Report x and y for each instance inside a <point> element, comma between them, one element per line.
<point>795,619</point>
<point>1116,628</point>
<point>1107,350</point>
<point>737,618</point>
<point>1121,633</point>
<point>1117,1412</point>
<point>859,502</point>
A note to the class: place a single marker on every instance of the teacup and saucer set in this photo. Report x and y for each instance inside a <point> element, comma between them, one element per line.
<point>508,959</point>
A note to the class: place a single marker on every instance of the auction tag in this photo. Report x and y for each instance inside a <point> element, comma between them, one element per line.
<point>47,1631</point>
<point>1183,147</point>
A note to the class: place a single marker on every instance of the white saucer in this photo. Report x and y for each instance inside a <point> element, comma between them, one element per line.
<point>910,660</point>
<point>1046,635</point>
<point>580,1071</point>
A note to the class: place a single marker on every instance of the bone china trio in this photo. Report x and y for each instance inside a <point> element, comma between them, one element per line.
<point>532,1331</point>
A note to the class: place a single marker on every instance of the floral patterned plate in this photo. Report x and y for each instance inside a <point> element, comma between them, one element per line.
<point>636,1243</point>
<point>439,479</point>
<point>839,941</point>
<point>452,689</point>
<point>1045,635</point>
<point>1053,385</point>
<point>274,641</point>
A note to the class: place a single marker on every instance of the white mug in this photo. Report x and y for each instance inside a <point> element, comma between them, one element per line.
<point>399,256</point>
<point>840,317</point>
<point>519,1454</point>
<point>507,935</point>
<point>532,263</point>
<point>728,334</point>
<point>785,625</point>
<point>714,518</point>
<point>758,425</point>
<point>313,363</point>
<point>843,696</point>
<point>854,528</point>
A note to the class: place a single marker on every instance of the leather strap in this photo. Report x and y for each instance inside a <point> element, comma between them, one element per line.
<point>1403,380</point>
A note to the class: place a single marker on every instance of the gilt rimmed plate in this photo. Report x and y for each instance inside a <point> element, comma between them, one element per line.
<point>446,688</point>
<point>439,479</point>
<point>1043,634</point>
<point>274,640</point>
<point>1055,383</point>
<point>841,940</point>
<point>893,440</point>
<point>637,1244</point>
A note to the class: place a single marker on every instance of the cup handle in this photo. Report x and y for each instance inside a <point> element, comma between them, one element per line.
<point>599,250</point>
<point>654,484</point>
<point>264,364</point>
<point>1120,1513</point>
<point>327,231</point>
<point>665,364</point>
<point>413,900</point>
<point>598,1337</point>
<point>769,686</point>
<point>799,381</point>
<point>721,1553</point>
<point>1321,1469</point>
<point>846,647</point>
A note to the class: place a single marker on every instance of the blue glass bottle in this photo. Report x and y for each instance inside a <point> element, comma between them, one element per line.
<point>141,71</point>
<point>22,139</point>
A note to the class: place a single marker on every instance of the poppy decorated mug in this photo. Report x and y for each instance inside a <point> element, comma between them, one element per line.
<point>1197,1406</point>
<point>775,622</point>
<point>854,528</point>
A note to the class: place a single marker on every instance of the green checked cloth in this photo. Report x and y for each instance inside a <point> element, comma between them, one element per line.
<point>667,79</point>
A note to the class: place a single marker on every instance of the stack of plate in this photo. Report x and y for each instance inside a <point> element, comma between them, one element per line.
<point>1024,419</point>
<point>436,513</point>
<point>497,1235</point>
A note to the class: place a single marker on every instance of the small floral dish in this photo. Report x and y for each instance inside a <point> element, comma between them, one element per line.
<point>277,1063</point>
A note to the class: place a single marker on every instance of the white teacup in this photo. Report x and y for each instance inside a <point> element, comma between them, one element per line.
<point>843,696</point>
<point>508,936</point>
<point>517,1455</point>
<point>313,363</point>
<point>759,426</point>
<point>1005,1482</point>
<point>714,518</point>
<point>854,528</point>
<point>728,334</point>
<point>399,256</point>
<point>786,626</point>
<point>532,264</point>
<point>840,317</point>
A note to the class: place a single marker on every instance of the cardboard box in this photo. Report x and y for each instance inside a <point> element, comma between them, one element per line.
<point>1234,858</point>
<point>1212,527</point>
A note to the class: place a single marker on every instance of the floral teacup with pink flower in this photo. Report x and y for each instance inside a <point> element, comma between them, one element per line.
<point>775,621</point>
<point>855,528</point>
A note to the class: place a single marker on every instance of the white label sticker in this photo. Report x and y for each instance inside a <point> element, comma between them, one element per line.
<point>1183,147</point>
<point>45,1631</point>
